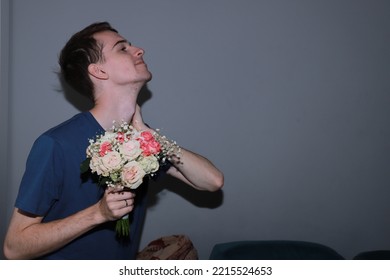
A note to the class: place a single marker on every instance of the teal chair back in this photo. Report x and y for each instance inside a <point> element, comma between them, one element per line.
<point>373,255</point>
<point>273,250</point>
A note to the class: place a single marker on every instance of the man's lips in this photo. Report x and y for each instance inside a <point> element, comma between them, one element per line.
<point>140,62</point>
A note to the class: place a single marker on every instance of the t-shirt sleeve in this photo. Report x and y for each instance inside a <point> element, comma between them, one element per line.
<point>41,183</point>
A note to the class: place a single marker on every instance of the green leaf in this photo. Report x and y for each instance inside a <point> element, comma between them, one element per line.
<point>84,166</point>
<point>103,181</point>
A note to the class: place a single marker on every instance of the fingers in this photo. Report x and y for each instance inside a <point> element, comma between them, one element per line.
<point>121,199</point>
<point>117,203</point>
<point>137,118</point>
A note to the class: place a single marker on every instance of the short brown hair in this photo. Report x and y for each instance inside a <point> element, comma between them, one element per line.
<point>79,52</point>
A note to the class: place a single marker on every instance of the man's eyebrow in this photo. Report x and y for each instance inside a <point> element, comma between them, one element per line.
<point>120,42</point>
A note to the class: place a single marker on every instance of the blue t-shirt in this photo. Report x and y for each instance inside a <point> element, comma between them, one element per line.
<point>53,187</point>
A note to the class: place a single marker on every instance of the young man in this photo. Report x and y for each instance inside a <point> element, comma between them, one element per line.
<point>61,215</point>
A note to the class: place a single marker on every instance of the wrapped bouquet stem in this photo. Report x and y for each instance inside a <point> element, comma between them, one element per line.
<point>122,226</point>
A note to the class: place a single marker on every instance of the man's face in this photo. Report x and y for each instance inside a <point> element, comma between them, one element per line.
<point>122,62</point>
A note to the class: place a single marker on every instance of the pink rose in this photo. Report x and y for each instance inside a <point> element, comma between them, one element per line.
<point>147,135</point>
<point>105,147</point>
<point>132,175</point>
<point>130,149</point>
<point>149,145</point>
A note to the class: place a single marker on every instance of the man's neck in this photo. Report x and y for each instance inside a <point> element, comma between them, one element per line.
<point>114,109</point>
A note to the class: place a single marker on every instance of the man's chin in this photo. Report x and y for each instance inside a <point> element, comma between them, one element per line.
<point>150,77</point>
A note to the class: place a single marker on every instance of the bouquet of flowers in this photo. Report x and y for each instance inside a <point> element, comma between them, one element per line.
<point>123,156</point>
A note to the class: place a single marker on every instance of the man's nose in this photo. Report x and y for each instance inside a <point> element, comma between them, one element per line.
<point>139,51</point>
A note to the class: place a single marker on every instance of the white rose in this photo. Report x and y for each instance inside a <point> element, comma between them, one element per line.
<point>111,161</point>
<point>97,166</point>
<point>149,164</point>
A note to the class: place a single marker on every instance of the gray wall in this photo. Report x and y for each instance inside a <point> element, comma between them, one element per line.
<point>289,98</point>
<point>4,120</point>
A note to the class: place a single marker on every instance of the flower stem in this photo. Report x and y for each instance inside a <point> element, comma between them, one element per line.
<point>122,227</point>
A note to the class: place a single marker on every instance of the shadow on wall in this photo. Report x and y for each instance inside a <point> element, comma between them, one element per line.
<point>82,103</point>
<point>198,198</point>
<point>79,101</point>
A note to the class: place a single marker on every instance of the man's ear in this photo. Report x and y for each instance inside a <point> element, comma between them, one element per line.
<point>97,71</point>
